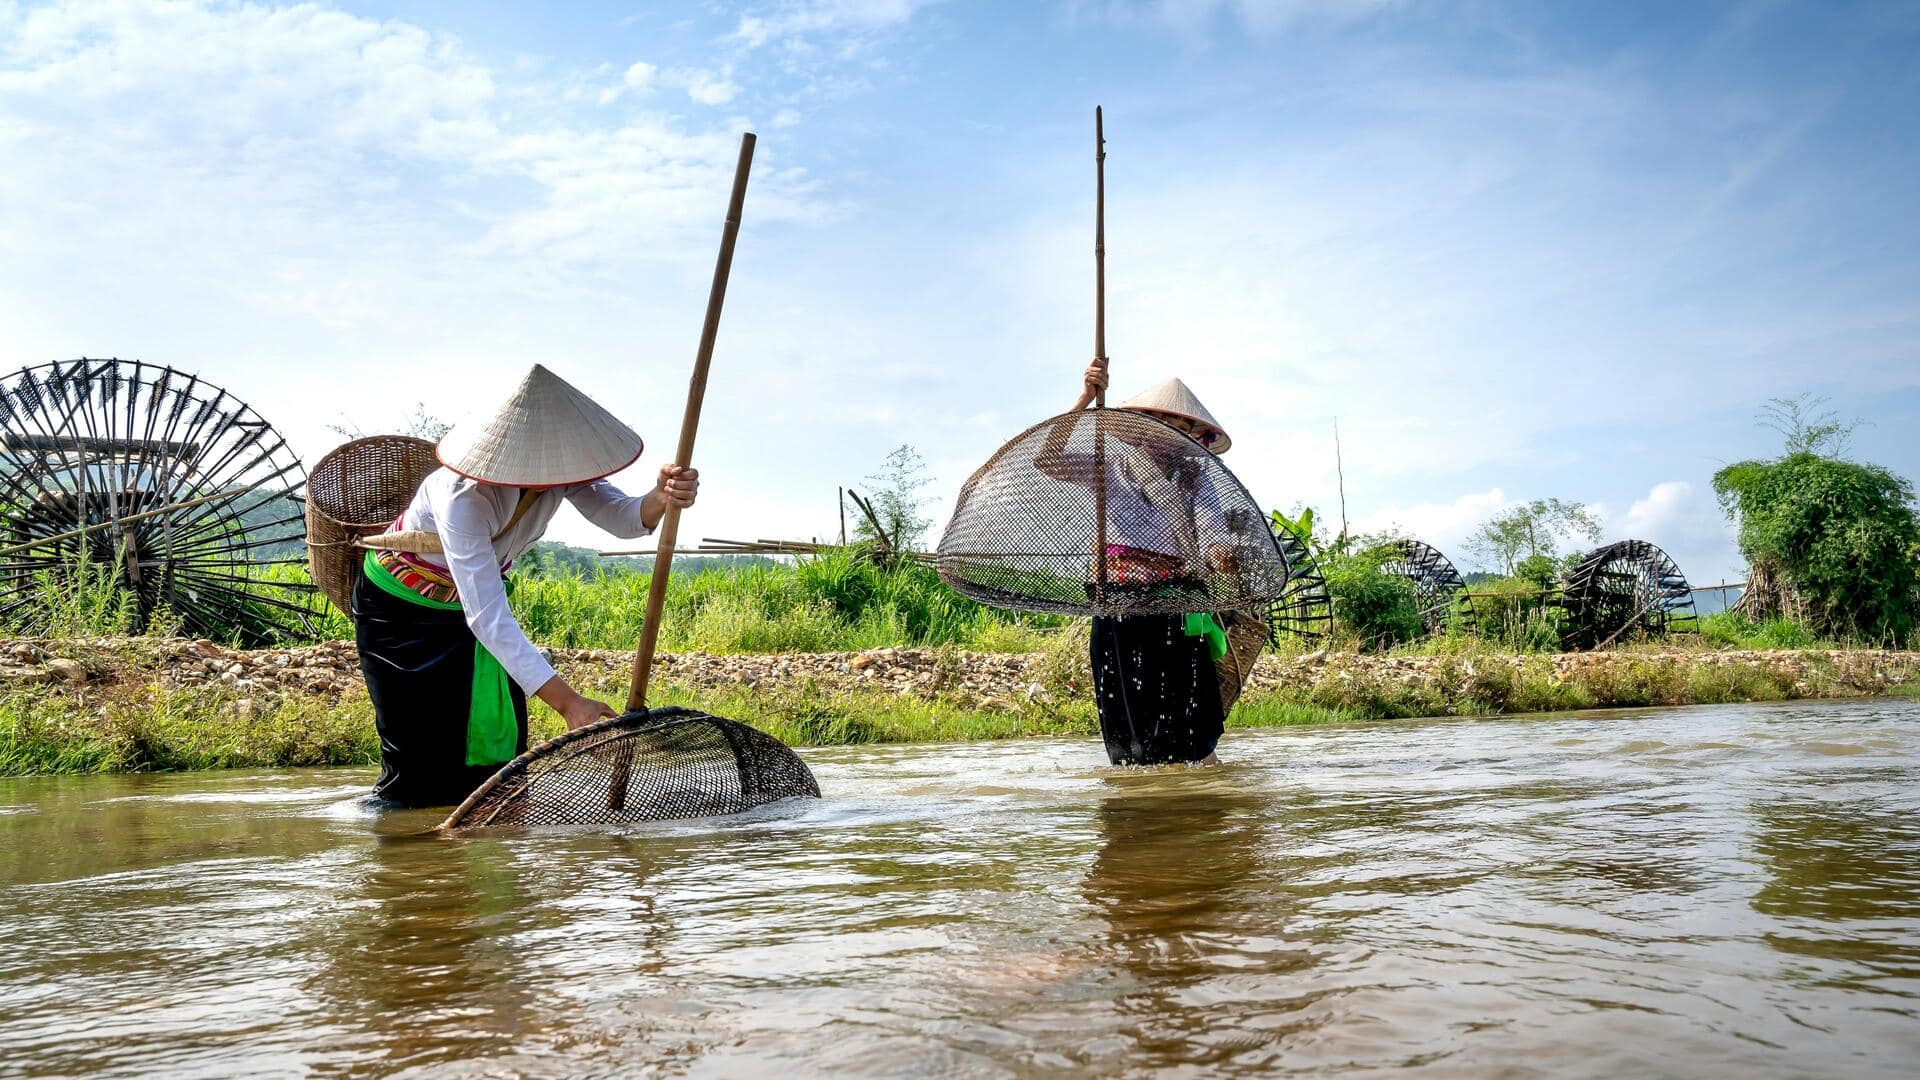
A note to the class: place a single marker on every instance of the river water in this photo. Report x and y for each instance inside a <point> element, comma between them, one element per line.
<point>1711,891</point>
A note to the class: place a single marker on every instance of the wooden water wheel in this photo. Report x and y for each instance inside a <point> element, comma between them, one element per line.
<point>1437,586</point>
<point>154,486</point>
<point>1305,609</point>
<point>1626,588</point>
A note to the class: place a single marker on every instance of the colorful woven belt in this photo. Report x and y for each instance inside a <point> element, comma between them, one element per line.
<point>418,578</point>
<point>1138,566</point>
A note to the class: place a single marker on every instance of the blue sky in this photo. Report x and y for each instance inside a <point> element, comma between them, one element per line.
<point>1518,250</point>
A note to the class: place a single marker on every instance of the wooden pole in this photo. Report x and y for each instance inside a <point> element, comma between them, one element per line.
<point>1099,246</point>
<point>1099,354</point>
<point>1340,470</point>
<point>689,427</point>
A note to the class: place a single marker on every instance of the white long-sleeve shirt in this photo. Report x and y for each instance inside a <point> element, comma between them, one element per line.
<point>467,513</point>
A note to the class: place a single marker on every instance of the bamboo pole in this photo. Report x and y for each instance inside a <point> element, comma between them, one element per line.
<point>1099,246</point>
<point>127,520</point>
<point>1099,354</point>
<point>689,427</point>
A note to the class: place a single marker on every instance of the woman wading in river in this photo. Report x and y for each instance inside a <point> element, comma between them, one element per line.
<point>446,664</point>
<point>1160,696</point>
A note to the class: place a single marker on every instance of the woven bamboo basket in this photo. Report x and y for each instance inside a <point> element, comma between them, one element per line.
<point>357,490</point>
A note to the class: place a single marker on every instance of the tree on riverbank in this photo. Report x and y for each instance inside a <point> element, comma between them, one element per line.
<point>1829,541</point>
<point>1524,541</point>
<point>897,500</point>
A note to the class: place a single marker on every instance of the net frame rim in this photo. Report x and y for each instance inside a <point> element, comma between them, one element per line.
<point>660,716</point>
<point>1089,609</point>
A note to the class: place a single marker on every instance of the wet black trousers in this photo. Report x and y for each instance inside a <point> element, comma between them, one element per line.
<point>418,662</point>
<point>1158,694</point>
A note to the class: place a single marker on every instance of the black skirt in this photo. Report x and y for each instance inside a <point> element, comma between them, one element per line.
<point>418,662</point>
<point>1157,691</point>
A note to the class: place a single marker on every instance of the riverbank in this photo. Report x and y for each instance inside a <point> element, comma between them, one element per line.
<point>134,704</point>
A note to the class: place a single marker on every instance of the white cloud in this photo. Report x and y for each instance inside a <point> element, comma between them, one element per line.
<point>704,87</point>
<point>299,202</point>
<point>1673,515</point>
<point>1195,18</point>
<point>1670,504</point>
<point>1443,525</point>
<point>787,21</point>
<point>1684,522</point>
<point>279,129</point>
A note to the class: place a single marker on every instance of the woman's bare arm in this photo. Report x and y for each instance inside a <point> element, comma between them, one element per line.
<point>1053,458</point>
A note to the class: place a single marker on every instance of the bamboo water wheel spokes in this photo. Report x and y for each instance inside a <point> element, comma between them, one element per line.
<point>158,486</point>
<point>1438,587</point>
<point>1626,588</point>
<point>1305,610</point>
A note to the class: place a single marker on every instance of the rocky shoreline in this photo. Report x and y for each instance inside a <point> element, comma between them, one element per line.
<point>984,681</point>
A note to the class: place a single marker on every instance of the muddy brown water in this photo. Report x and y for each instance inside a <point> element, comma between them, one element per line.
<point>1704,892</point>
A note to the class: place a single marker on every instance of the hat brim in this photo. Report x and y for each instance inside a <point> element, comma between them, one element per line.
<point>1221,440</point>
<point>500,482</point>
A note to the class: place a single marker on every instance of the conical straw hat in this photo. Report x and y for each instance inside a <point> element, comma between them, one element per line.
<point>547,434</point>
<point>1173,398</point>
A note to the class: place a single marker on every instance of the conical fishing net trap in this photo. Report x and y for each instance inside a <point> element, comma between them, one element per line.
<point>1109,512</point>
<point>650,765</point>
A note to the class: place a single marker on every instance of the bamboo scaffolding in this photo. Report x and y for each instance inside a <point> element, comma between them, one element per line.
<point>713,546</point>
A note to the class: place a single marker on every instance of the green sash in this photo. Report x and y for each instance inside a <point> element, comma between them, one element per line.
<point>1203,624</point>
<point>493,729</point>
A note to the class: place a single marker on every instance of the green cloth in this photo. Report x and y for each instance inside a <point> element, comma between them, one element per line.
<point>493,728</point>
<point>1203,624</point>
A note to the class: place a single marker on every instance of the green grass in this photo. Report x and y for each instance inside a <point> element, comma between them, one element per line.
<point>149,728</point>
<point>833,602</point>
<point>837,602</point>
<point>1729,630</point>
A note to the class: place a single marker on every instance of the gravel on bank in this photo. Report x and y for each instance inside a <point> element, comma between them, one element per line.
<point>984,681</point>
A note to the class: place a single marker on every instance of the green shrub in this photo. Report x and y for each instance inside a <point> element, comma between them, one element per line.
<point>1375,608</point>
<point>1512,613</point>
<point>1843,536</point>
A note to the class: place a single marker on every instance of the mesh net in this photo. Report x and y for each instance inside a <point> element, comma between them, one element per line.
<point>651,765</point>
<point>1181,533</point>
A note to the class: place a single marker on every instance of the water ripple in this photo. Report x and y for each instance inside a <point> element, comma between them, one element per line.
<point>1703,891</point>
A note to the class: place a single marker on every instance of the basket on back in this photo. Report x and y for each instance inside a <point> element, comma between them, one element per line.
<point>356,491</point>
<point>1181,535</point>
<point>650,765</point>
